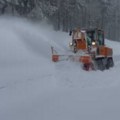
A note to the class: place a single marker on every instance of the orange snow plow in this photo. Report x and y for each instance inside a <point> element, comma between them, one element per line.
<point>88,48</point>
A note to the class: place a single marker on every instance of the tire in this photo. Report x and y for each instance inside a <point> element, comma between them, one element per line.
<point>100,64</point>
<point>108,64</point>
<point>111,63</point>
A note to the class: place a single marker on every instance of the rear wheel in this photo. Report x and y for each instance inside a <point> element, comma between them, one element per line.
<point>110,61</point>
<point>100,64</point>
<point>108,64</point>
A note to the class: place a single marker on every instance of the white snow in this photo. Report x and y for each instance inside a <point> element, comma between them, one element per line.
<point>32,87</point>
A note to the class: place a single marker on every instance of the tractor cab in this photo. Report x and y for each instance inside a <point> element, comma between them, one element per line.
<point>89,38</point>
<point>95,37</point>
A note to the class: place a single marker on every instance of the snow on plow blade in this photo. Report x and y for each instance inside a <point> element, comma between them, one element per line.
<point>85,59</point>
<point>56,57</point>
<point>82,59</point>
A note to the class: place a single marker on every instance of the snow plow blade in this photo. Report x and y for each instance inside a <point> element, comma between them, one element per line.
<point>57,57</point>
<point>85,60</point>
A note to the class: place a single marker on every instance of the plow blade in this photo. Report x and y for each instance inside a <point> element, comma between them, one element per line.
<point>86,60</point>
<point>56,58</point>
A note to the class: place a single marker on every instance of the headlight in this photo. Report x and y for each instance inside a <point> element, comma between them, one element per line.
<point>93,43</point>
<point>70,44</point>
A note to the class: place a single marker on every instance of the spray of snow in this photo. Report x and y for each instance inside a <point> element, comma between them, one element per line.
<point>34,88</point>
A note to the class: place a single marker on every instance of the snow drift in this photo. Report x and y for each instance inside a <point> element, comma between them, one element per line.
<point>34,88</point>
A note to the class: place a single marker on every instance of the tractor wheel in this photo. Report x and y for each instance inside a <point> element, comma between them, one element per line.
<point>100,64</point>
<point>108,64</point>
<point>111,63</point>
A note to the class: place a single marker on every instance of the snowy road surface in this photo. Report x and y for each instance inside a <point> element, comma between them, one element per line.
<point>34,88</point>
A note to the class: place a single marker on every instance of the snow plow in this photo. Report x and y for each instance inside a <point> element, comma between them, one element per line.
<point>88,48</point>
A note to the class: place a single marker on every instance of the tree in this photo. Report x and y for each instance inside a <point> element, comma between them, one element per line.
<point>23,7</point>
<point>68,14</point>
<point>3,6</point>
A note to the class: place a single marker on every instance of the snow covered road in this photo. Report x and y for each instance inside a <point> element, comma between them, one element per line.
<point>34,88</point>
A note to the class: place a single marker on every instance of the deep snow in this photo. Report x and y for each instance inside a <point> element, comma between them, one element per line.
<point>34,88</point>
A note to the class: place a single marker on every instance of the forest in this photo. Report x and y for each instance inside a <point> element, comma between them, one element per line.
<point>67,14</point>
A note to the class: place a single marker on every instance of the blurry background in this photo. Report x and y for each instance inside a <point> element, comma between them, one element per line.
<point>67,14</point>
